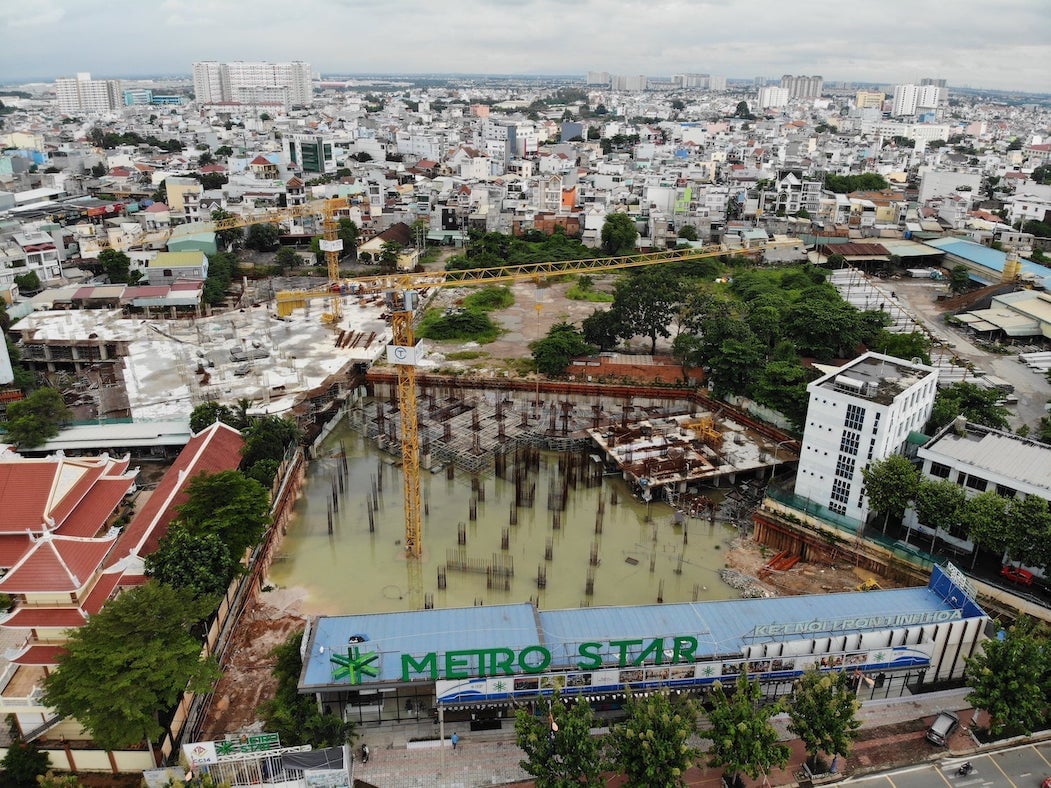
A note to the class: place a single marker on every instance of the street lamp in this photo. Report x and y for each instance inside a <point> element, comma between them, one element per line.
<point>773,467</point>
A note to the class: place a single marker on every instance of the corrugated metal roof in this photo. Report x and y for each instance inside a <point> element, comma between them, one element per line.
<point>1001,454</point>
<point>720,628</point>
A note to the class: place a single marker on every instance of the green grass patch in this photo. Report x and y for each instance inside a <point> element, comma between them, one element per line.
<point>575,293</point>
<point>465,325</point>
<point>489,298</point>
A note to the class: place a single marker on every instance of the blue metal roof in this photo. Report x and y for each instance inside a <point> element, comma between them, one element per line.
<point>719,628</point>
<point>985,256</point>
<point>417,632</point>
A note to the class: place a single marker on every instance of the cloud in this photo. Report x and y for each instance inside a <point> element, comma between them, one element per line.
<point>968,42</point>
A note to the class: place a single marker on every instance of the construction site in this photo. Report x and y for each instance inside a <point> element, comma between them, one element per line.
<point>520,502</point>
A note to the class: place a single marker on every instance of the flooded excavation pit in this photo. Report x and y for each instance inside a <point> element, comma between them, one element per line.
<point>529,524</point>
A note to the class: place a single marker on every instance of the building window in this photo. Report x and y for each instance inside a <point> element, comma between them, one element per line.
<point>855,417</point>
<point>849,443</point>
<point>976,482</point>
<point>845,467</point>
<point>840,491</point>
<point>1005,491</point>
<point>939,471</point>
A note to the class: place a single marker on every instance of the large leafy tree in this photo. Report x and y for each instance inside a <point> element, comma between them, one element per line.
<point>267,438</point>
<point>648,300</point>
<point>262,237</point>
<point>24,761</point>
<point>604,328</point>
<point>229,505</point>
<point>198,562</point>
<point>207,413</point>
<point>890,485</point>
<point>553,353</point>
<point>984,520</point>
<point>743,739</point>
<point>560,750</point>
<point>823,713</point>
<point>1029,530</point>
<point>31,421</point>
<point>117,267</point>
<point>1010,678</point>
<point>977,404</point>
<point>825,328</point>
<point>939,503</point>
<point>295,717</point>
<point>130,663</point>
<point>230,237</point>
<point>652,746</point>
<point>348,233</point>
<point>619,234</point>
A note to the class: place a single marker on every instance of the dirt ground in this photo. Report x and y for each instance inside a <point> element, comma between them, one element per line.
<point>748,558</point>
<point>247,678</point>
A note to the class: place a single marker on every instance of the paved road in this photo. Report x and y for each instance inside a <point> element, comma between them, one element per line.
<point>1024,766</point>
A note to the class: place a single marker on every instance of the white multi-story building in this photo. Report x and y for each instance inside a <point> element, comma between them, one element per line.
<point>912,100</point>
<point>84,94</point>
<point>860,413</point>
<point>252,82</point>
<point>802,87</point>
<point>772,97</point>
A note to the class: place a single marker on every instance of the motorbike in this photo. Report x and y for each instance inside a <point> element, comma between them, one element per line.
<point>965,769</point>
<point>364,753</point>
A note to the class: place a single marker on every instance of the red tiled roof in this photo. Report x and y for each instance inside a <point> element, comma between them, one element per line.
<point>100,594</point>
<point>213,168</point>
<point>96,507</point>
<point>260,161</point>
<point>40,655</point>
<point>76,494</point>
<point>294,183</point>
<point>29,617</point>
<point>855,250</point>
<point>25,487</point>
<point>57,564</point>
<point>13,547</point>
<point>145,291</point>
<point>183,284</point>
<point>214,449</point>
<point>157,207</point>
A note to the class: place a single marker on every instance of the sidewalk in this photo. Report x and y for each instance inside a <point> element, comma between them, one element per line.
<point>892,734</point>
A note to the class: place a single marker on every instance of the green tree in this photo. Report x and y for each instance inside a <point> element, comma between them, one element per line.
<point>782,385</point>
<point>890,485</point>
<point>130,663</point>
<point>231,237</point>
<point>268,438</point>
<point>287,258</point>
<point>1009,678</point>
<point>823,713</point>
<point>651,297</point>
<point>35,419</point>
<point>603,328</point>
<point>652,746</point>
<point>959,278</point>
<point>984,520</point>
<point>560,750</point>
<point>28,283</point>
<point>825,328</point>
<point>221,269</point>
<point>207,413</point>
<point>688,232</point>
<point>562,344</point>
<point>197,562</point>
<point>743,739</point>
<point>914,344</point>
<point>295,717</point>
<point>1029,530</point>
<point>24,761</point>
<point>939,503</point>
<point>348,233</point>
<point>389,252</point>
<point>619,234</point>
<point>262,237</point>
<point>975,403</point>
<point>224,151</point>
<point>229,505</point>
<point>116,265</point>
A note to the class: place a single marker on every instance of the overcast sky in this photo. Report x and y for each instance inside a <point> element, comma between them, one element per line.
<point>1002,44</point>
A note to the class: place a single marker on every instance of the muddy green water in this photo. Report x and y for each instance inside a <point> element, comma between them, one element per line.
<point>355,571</point>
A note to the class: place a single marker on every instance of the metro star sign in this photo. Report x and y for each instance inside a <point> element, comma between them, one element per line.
<point>355,665</point>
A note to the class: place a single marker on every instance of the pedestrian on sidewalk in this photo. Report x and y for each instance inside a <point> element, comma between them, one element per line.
<point>455,739</point>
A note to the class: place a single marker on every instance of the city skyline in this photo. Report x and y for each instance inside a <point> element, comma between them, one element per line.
<point>892,42</point>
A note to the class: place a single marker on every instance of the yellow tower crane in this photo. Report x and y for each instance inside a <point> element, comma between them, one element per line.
<point>405,353</point>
